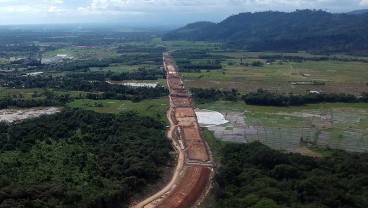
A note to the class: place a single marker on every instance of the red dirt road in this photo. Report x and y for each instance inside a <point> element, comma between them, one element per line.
<point>194,171</point>
<point>186,193</point>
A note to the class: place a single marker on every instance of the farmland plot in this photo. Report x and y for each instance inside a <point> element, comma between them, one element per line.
<point>326,126</point>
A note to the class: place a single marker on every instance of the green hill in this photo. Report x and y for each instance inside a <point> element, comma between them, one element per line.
<point>311,30</point>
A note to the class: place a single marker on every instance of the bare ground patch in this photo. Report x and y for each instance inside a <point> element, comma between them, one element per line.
<point>14,115</point>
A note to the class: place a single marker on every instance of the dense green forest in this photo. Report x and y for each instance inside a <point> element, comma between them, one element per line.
<point>256,176</point>
<point>312,30</point>
<point>202,95</point>
<point>80,159</point>
<point>267,98</point>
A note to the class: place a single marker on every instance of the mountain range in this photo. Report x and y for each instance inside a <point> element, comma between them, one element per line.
<point>309,30</point>
<point>360,11</point>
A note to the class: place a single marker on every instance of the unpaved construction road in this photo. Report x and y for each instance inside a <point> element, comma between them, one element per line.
<point>194,171</point>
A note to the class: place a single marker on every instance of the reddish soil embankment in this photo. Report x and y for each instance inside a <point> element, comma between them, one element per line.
<point>194,171</point>
<point>191,187</point>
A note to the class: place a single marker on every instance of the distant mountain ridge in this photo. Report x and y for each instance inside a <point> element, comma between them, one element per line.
<point>312,30</point>
<point>360,11</point>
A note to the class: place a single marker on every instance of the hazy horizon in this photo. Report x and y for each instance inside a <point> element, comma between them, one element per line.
<point>151,13</point>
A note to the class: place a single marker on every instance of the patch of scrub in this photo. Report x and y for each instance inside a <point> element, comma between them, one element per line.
<point>122,107</point>
<point>208,118</point>
<point>13,115</point>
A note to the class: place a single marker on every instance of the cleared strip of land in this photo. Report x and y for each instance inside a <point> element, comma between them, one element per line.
<point>194,170</point>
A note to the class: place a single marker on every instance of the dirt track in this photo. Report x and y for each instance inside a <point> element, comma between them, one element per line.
<point>151,201</point>
<point>188,191</point>
<point>194,170</point>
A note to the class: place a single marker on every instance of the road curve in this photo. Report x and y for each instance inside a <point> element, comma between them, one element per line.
<point>178,169</point>
<point>194,171</point>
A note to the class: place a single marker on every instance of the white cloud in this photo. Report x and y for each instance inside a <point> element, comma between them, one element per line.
<point>54,1</point>
<point>218,5</point>
<point>154,6</point>
<point>170,10</point>
<point>27,7</point>
<point>363,3</point>
<point>54,9</point>
<point>187,6</point>
<point>19,9</point>
<point>109,4</point>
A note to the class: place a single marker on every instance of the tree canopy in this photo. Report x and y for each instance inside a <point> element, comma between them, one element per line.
<point>80,159</point>
<point>253,175</point>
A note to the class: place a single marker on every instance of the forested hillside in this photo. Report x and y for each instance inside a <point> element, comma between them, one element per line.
<point>253,175</point>
<point>314,31</point>
<point>80,159</point>
<point>359,12</point>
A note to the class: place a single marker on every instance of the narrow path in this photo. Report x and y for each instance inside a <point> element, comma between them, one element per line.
<point>147,202</point>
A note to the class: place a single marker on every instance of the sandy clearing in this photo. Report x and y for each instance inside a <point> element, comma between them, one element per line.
<point>138,84</point>
<point>13,115</point>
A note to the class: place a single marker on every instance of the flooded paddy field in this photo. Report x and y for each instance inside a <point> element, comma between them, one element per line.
<point>339,126</point>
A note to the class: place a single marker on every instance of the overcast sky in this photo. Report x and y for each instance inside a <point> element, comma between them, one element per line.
<point>155,12</point>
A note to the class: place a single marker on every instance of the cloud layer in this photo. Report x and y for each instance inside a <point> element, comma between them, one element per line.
<point>97,10</point>
<point>364,3</point>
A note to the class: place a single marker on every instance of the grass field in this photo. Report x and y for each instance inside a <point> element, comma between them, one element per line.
<point>155,107</point>
<point>28,93</point>
<point>117,68</point>
<point>245,55</point>
<point>242,106</point>
<point>196,45</point>
<point>215,145</point>
<point>23,93</point>
<point>83,52</point>
<point>338,76</point>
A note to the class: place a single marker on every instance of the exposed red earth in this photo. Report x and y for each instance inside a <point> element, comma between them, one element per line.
<point>193,173</point>
<point>187,192</point>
